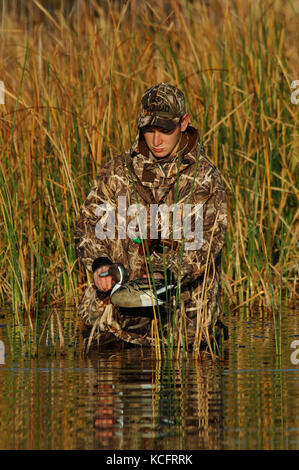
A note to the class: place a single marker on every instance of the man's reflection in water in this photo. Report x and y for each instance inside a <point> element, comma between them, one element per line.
<point>146,404</point>
<point>104,420</point>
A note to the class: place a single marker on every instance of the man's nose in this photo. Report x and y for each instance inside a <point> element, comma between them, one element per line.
<point>157,139</point>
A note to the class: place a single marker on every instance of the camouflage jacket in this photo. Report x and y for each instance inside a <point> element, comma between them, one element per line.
<point>136,176</point>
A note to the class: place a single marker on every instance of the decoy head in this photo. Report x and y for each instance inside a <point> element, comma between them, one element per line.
<point>118,272</point>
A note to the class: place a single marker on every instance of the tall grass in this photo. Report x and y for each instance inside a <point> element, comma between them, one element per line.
<point>74,73</point>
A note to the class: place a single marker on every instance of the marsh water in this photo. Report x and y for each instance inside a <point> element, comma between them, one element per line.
<point>125,399</point>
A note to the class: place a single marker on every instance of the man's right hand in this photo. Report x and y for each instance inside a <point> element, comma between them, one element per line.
<point>105,283</point>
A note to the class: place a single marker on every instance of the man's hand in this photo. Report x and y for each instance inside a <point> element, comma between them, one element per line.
<point>105,283</point>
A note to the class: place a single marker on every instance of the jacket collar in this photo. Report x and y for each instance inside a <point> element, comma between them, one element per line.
<point>160,176</point>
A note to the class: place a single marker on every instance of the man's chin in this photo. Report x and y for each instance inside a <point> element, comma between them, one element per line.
<point>160,154</point>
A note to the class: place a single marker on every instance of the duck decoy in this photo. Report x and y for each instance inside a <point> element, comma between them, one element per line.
<point>156,244</point>
<point>136,294</point>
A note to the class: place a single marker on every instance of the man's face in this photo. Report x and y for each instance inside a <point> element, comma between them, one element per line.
<point>161,142</point>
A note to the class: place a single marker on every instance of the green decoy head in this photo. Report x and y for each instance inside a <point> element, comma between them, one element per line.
<point>118,272</point>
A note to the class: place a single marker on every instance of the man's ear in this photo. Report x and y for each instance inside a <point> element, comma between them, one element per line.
<point>185,121</point>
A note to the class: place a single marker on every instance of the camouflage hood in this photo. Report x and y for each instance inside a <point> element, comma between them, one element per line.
<point>149,169</point>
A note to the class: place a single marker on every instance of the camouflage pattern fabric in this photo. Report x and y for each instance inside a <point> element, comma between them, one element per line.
<point>162,105</point>
<point>138,177</point>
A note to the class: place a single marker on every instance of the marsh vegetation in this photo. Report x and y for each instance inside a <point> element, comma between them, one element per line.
<point>73,77</point>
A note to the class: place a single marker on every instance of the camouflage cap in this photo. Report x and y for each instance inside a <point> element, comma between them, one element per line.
<point>162,105</point>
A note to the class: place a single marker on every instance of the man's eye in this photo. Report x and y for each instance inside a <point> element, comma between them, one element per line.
<point>148,130</point>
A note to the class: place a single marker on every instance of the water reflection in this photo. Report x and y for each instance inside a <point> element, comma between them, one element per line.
<point>125,399</point>
<point>161,405</point>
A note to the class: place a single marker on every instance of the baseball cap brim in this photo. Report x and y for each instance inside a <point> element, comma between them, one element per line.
<point>158,121</point>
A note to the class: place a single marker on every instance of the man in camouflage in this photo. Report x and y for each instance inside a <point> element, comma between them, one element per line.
<point>166,164</point>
